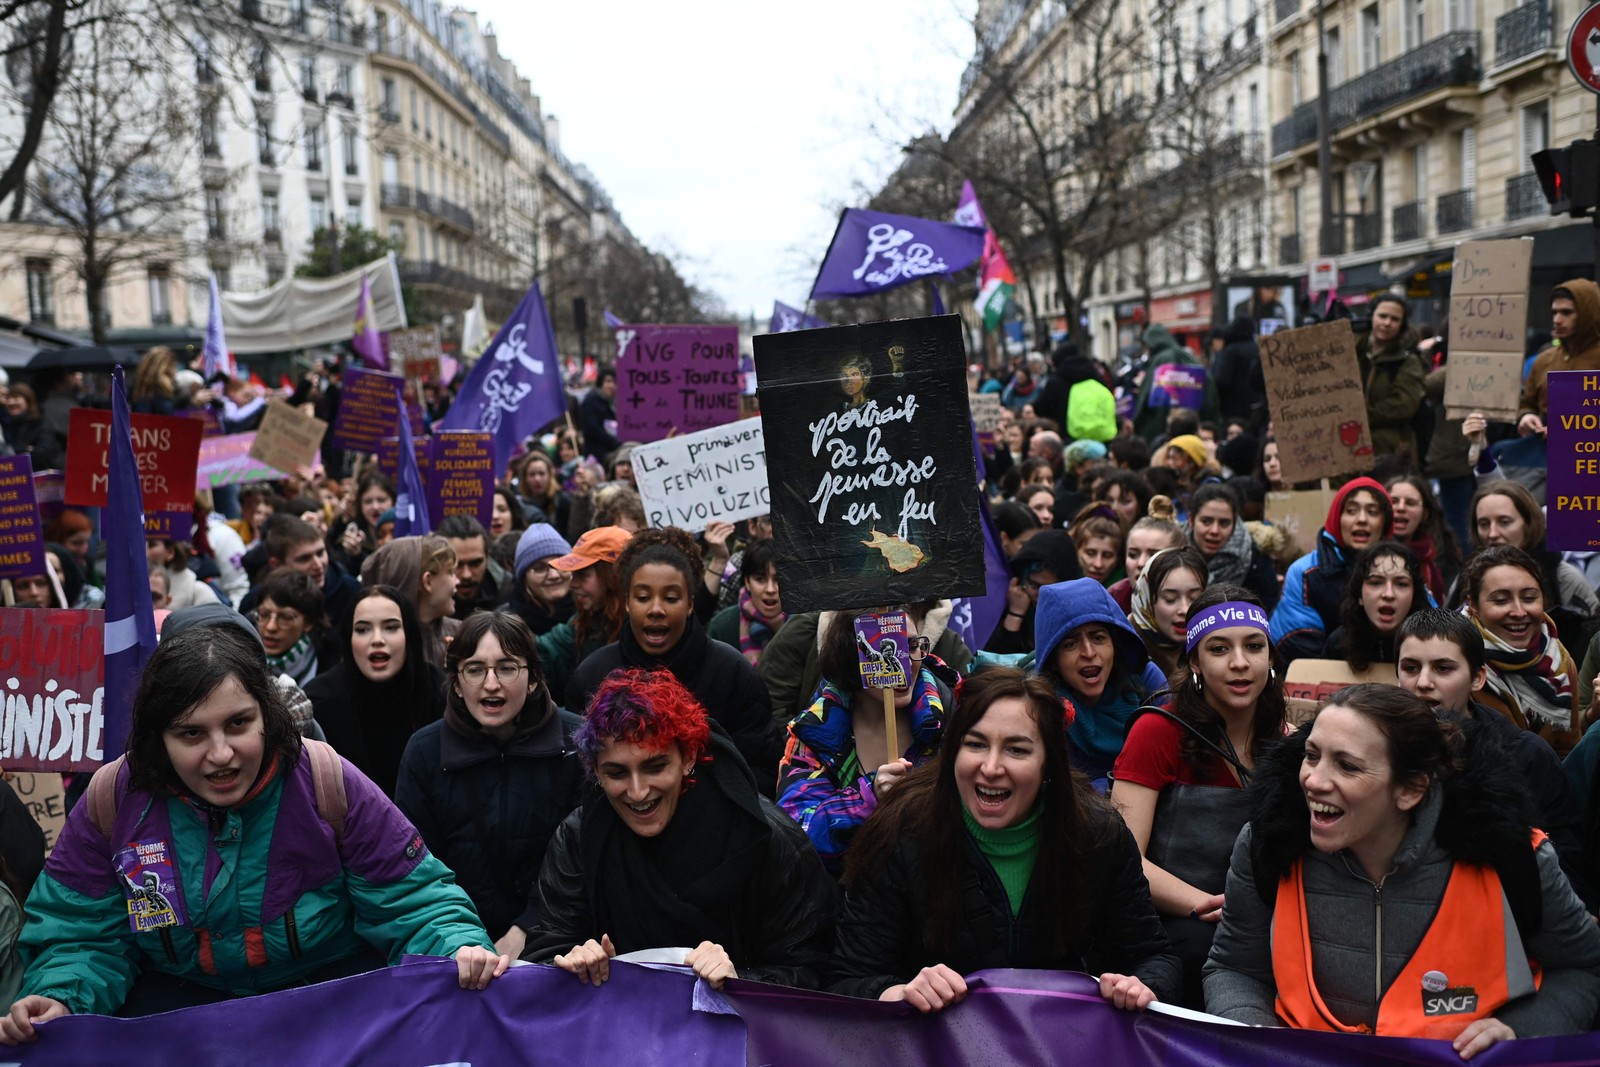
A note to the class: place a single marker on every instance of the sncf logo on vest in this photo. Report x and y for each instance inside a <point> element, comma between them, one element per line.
<point>1439,998</point>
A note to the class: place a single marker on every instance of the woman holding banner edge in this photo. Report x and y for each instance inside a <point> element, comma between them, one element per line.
<point>997,855</point>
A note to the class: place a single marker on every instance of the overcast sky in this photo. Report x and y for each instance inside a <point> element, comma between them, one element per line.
<point>729,132</point>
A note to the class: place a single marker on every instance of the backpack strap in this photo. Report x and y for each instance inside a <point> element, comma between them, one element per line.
<point>100,797</point>
<point>327,782</point>
<point>1229,757</point>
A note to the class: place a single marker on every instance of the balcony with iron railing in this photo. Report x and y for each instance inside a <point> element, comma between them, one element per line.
<point>1521,32</point>
<point>1525,197</point>
<point>390,195</point>
<point>389,113</point>
<point>454,214</point>
<point>416,272</point>
<point>1289,249</point>
<point>1366,231</point>
<point>272,237</point>
<point>1454,212</point>
<point>1406,221</point>
<point>1447,60</point>
<point>425,202</point>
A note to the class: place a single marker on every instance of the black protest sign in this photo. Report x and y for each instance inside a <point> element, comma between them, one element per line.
<point>869,450</point>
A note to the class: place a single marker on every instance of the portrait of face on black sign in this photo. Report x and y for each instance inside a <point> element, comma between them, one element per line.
<point>870,465</point>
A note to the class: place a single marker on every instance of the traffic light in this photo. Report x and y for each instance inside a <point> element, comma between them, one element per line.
<point>1570,177</point>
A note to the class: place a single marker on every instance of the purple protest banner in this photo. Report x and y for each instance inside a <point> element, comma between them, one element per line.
<point>675,379</point>
<point>1179,386</point>
<point>461,481</point>
<point>872,251</point>
<point>50,492</point>
<point>1573,439</point>
<point>226,461</point>
<point>367,409</point>
<point>389,456</point>
<point>21,531</point>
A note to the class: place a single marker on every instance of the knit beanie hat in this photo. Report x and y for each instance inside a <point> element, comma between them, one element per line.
<point>1083,452</point>
<point>538,542</point>
<point>1191,446</point>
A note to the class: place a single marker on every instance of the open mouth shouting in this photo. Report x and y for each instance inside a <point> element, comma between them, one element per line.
<point>992,801</point>
<point>224,782</point>
<point>1323,815</point>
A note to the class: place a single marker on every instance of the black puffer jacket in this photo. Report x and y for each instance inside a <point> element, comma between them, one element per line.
<point>724,682</point>
<point>781,929</point>
<point>489,810</point>
<point>1240,382</point>
<point>880,940</point>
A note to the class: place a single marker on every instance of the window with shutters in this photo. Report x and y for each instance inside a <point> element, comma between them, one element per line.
<point>1413,23</point>
<point>1297,94</point>
<point>1535,128</point>
<point>1419,172</point>
<point>1469,158</point>
<point>41,303</point>
<point>159,281</point>
<point>1333,46</point>
<point>1458,15</point>
<point>391,168</point>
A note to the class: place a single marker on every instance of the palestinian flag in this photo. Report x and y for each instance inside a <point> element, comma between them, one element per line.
<point>996,283</point>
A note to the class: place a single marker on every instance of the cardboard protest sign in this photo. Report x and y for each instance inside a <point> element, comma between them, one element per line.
<point>53,664</point>
<point>226,461</point>
<point>21,531</point>
<point>287,439</point>
<point>1572,491</point>
<point>883,649</point>
<point>415,352</point>
<point>367,409</point>
<point>716,475</point>
<point>46,800</point>
<point>1309,682</point>
<point>876,501</point>
<point>1302,512</point>
<point>461,477</point>
<point>987,413</point>
<point>1318,405</point>
<point>166,448</point>
<point>675,379</point>
<point>1488,327</point>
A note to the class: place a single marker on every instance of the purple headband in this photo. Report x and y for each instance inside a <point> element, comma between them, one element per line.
<point>1222,616</point>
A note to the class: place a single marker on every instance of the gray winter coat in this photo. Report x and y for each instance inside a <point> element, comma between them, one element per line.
<point>1341,903</point>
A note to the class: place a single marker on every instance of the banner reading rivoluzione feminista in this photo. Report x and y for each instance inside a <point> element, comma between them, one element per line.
<point>875,501</point>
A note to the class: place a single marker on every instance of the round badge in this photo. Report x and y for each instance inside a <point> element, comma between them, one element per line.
<point>1435,982</point>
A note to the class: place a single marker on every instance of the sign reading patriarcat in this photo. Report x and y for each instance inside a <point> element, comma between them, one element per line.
<point>874,494</point>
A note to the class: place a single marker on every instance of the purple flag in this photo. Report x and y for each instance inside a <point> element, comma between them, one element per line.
<point>216,359</point>
<point>411,502</point>
<point>969,212</point>
<point>872,251</point>
<point>367,343</point>
<point>515,388</point>
<point>786,319</point>
<point>130,614</point>
<point>612,322</point>
<point>975,617</point>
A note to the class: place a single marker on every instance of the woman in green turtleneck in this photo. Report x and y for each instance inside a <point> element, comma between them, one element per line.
<point>1034,871</point>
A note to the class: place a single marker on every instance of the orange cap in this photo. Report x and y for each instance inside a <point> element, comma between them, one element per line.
<point>600,545</point>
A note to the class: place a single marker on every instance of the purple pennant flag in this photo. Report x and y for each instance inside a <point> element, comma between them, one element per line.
<point>786,319</point>
<point>872,251</point>
<point>411,502</point>
<point>975,617</point>
<point>515,388</point>
<point>612,322</point>
<point>969,212</point>
<point>130,614</point>
<point>367,342</point>
<point>216,359</point>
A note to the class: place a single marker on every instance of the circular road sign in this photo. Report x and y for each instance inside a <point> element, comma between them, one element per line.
<point>1583,48</point>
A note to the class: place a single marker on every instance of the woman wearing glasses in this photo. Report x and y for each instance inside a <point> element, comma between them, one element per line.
<point>487,786</point>
<point>837,765</point>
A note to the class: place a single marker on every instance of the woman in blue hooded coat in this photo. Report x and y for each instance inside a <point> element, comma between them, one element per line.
<point>1093,656</point>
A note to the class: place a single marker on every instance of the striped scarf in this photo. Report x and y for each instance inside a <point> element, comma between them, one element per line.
<point>1533,682</point>
<point>754,630</point>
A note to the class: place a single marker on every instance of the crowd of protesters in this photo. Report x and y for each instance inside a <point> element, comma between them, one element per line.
<point>567,737</point>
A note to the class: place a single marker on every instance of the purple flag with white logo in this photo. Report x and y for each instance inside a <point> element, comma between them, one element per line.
<point>786,319</point>
<point>969,212</point>
<point>872,251</point>
<point>515,387</point>
<point>367,343</point>
<point>411,500</point>
<point>216,359</point>
<point>130,614</point>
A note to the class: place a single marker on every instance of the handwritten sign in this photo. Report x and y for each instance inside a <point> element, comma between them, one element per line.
<point>367,409</point>
<point>21,532</point>
<point>675,379</point>
<point>52,666</point>
<point>717,475</point>
<point>1572,492</point>
<point>987,414</point>
<point>461,477</point>
<point>287,439</point>
<point>46,800</point>
<point>167,450</point>
<point>416,351</point>
<point>876,500</point>
<point>1488,327</point>
<point>1319,409</point>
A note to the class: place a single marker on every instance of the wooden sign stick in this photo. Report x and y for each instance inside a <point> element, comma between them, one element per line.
<point>890,728</point>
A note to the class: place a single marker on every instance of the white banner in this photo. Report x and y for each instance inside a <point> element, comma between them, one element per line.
<point>715,475</point>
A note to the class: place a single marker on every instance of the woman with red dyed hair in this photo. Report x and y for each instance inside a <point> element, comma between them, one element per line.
<point>679,850</point>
